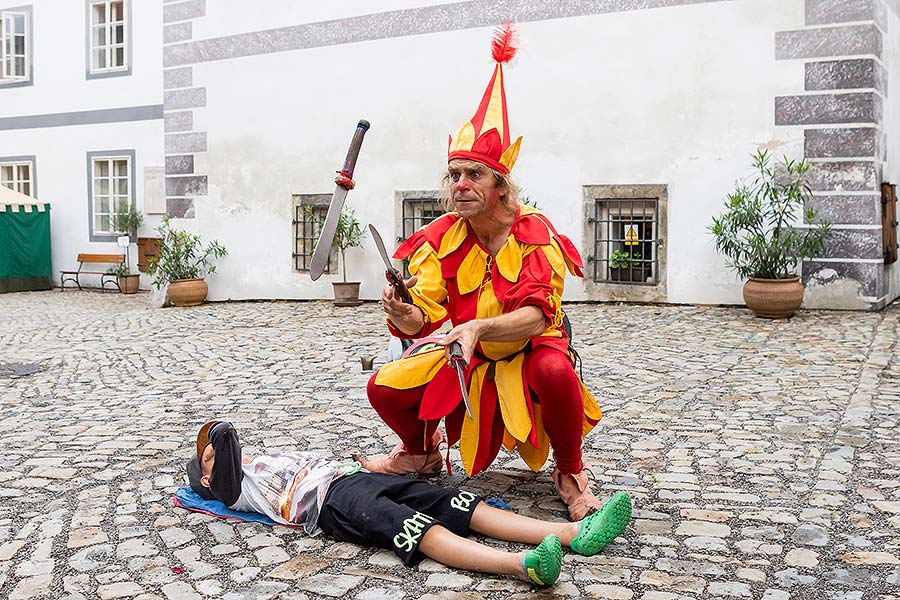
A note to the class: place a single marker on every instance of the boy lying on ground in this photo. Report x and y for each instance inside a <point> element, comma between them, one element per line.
<point>411,517</point>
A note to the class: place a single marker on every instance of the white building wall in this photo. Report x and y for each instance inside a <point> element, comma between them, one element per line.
<point>60,87</point>
<point>677,96</point>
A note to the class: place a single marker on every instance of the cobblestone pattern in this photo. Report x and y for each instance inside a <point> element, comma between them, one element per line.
<point>763,456</point>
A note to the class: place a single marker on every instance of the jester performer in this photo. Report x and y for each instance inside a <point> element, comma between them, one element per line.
<point>496,269</point>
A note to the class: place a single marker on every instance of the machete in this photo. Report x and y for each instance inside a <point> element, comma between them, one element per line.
<point>395,278</point>
<point>344,182</point>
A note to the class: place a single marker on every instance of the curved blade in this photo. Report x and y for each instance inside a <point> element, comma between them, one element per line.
<point>380,245</point>
<point>326,236</point>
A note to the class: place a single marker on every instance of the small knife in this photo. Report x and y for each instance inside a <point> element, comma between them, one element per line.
<point>396,280</point>
<point>456,359</point>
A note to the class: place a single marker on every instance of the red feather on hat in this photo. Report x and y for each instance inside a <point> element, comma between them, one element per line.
<point>504,43</point>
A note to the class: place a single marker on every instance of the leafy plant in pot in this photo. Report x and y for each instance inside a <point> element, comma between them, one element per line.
<point>126,220</point>
<point>349,234</point>
<point>183,263</point>
<point>759,235</point>
<point>628,266</point>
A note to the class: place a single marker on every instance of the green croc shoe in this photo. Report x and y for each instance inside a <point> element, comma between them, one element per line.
<point>542,564</point>
<point>601,527</point>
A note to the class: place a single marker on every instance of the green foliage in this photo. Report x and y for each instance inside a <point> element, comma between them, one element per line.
<point>182,256</point>
<point>757,231</point>
<point>126,220</point>
<point>349,234</point>
<point>529,202</point>
<point>120,269</point>
<point>620,259</point>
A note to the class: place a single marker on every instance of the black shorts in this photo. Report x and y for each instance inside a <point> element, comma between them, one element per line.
<point>393,511</point>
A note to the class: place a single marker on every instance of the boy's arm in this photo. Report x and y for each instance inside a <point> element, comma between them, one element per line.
<point>225,481</point>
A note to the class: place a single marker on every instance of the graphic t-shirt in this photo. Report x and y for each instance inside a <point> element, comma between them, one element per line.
<point>290,487</point>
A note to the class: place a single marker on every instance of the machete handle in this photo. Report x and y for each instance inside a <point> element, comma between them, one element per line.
<point>353,152</point>
<point>456,355</point>
<point>396,280</point>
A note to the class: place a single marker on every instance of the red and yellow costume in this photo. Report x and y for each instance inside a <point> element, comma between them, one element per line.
<point>459,280</point>
<point>524,394</point>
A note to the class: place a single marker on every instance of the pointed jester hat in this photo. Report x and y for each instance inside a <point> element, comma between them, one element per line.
<point>485,137</point>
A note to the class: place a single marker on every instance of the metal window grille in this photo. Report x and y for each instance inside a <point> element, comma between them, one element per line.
<point>416,213</point>
<point>626,244</point>
<point>308,220</point>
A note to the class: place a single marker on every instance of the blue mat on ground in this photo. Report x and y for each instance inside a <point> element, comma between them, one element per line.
<point>188,499</point>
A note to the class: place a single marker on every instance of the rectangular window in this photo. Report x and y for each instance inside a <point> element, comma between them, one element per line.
<point>17,176</point>
<point>417,209</point>
<point>109,34</point>
<point>309,212</point>
<point>110,191</point>
<point>418,212</point>
<point>625,241</point>
<point>15,60</point>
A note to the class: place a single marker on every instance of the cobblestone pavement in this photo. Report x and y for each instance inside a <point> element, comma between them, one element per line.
<point>763,457</point>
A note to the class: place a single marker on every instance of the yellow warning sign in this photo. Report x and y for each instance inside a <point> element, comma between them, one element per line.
<point>631,236</point>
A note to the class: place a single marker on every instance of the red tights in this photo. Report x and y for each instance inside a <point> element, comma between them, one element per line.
<point>552,381</point>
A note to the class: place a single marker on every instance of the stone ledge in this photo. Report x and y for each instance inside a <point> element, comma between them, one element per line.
<point>180,208</point>
<point>853,243</point>
<point>179,143</point>
<point>180,165</point>
<point>191,185</point>
<point>831,41</point>
<point>828,109</point>
<point>182,77</point>
<point>846,74</point>
<point>845,176</point>
<point>179,32</point>
<point>184,11</point>
<point>187,98</point>
<point>178,121</point>
<point>823,12</point>
<point>869,276</point>
<point>849,142</point>
<point>847,210</point>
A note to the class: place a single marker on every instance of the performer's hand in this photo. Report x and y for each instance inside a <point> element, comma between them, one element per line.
<point>467,334</point>
<point>406,317</point>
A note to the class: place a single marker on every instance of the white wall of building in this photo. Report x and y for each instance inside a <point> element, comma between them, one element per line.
<point>60,86</point>
<point>677,96</point>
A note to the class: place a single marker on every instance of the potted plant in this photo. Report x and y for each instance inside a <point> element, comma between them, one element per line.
<point>349,234</point>
<point>183,263</point>
<point>758,234</point>
<point>126,220</point>
<point>628,266</point>
<point>129,283</point>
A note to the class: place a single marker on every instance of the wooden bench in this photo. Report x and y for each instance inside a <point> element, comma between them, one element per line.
<point>90,259</point>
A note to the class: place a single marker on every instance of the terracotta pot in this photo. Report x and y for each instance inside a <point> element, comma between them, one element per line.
<point>773,298</point>
<point>346,293</point>
<point>129,284</point>
<point>188,292</point>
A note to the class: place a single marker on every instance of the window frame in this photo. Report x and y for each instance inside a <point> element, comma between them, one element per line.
<point>302,255</point>
<point>636,198</point>
<point>92,71</point>
<point>17,80</point>
<point>401,200</point>
<point>17,161</point>
<point>108,155</point>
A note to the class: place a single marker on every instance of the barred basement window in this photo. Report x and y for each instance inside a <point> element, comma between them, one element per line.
<point>625,240</point>
<point>309,212</point>
<point>417,209</point>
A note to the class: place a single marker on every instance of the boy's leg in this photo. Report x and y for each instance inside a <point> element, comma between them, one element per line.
<point>511,527</point>
<point>541,565</point>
